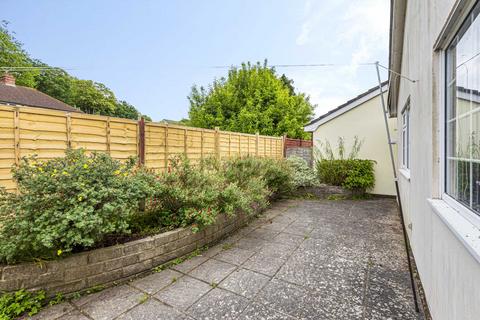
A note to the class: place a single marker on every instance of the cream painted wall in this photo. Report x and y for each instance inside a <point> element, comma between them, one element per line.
<point>365,121</point>
<point>450,274</point>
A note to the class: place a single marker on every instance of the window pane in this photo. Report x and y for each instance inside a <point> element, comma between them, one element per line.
<point>463,182</point>
<point>452,178</point>
<point>463,138</point>
<point>476,187</point>
<point>476,135</point>
<point>451,138</point>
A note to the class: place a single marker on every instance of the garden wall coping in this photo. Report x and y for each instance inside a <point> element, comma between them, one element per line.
<point>119,262</point>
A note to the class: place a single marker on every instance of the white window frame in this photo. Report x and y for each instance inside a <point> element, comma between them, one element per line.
<point>467,213</point>
<point>405,134</point>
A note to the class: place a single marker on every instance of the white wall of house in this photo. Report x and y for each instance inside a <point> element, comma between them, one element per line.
<point>445,242</point>
<point>365,121</point>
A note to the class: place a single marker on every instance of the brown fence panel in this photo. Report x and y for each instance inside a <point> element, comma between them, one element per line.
<point>25,131</point>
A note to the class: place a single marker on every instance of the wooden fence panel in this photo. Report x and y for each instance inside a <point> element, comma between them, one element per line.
<point>7,147</point>
<point>25,131</point>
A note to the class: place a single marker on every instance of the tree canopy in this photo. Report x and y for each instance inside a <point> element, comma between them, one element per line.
<point>89,96</point>
<point>253,98</point>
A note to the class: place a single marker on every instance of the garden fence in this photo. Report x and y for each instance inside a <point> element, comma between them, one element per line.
<point>47,133</point>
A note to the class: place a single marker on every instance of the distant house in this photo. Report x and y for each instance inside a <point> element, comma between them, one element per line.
<point>437,44</point>
<point>13,95</point>
<point>361,116</point>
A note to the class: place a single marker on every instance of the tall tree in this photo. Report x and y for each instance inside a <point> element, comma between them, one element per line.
<point>253,98</point>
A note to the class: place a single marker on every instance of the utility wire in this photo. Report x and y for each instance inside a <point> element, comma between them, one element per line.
<point>306,65</point>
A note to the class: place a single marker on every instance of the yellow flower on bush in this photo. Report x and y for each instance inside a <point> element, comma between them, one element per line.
<point>116,172</point>
<point>59,252</point>
<point>85,166</point>
<point>80,198</point>
<point>65,173</point>
<point>40,169</point>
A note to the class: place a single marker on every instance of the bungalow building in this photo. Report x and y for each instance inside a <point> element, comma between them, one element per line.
<point>14,95</point>
<point>434,87</point>
<point>360,117</point>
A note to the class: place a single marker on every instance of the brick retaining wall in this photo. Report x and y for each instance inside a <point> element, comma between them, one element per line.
<point>119,262</point>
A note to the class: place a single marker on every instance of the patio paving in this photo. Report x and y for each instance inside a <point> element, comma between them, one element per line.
<point>302,259</point>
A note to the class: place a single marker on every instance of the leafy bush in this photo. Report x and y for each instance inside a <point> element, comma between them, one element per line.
<point>276,174</point>
<point>15,304</point>
<point>67,203</point>
<point>303,175</point>
<point>355,175</point>
<point>80,201</point>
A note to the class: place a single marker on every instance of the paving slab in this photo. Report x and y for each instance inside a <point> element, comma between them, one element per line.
<point>109,303</point>
<point>245,282</point>
<point>235,256</point>
<point>264,264</point>
<point>257,311</point>
<point>54,312</point>
<point>183,293</point>
<point>213,271</point>
<point>218,304</point>
<point>190,264</point>
<point>155,282</point>
<point>153,310</point>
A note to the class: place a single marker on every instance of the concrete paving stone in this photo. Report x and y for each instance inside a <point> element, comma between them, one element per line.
<point>153,310</point>
<point>276,226</point>
<point>74,315</point>
<point>264,264</point>
<point>218,304</point>
<point>235,256</point>
<point>263,233</point>
<point>213,271</point>
<point>190,264</point>
<point>109,303</point>
<point>256,311</point>
<point>183,293</point>
<point>293,300</point>
<point>54,312</point>
<point>155,282</point>
<point>251,244</point>
<point>244,282</point>
<point>301,230</point>
<point>212,251</point>
<point>288,239</point>
<point>277,250</point>
<point>388,292</point>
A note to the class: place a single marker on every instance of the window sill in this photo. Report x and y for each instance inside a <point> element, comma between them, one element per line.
<point>466,231</point>
<point>405,173</point>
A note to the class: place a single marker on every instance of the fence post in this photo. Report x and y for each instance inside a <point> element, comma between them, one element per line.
<point>166,146</point>
<point>17,135</point>
<point>69,130</point>
<point>257,141</point>
<point>217,143</point>
<point>108,136</point>
<point>185,134</point>
<point>141,141</point>
<point>284,145</point>
<point>201,143</point>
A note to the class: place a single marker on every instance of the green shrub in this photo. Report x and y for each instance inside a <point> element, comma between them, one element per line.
<point>302,174</point>
<point>355,175</point>
<point>15,304</point>
<point>276,174</point>
<point>195,195</point>
<point>67,203</point>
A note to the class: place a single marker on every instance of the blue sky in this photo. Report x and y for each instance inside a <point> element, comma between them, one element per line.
<point>150,53</point>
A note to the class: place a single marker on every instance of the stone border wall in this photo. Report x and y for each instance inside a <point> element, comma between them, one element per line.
<point>106,265</point>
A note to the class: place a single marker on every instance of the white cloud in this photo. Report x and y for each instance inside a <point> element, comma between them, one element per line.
<point>304,36</point>
<point>359,35</point>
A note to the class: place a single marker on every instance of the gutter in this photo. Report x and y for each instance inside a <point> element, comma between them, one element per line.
<point>397,29</point>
